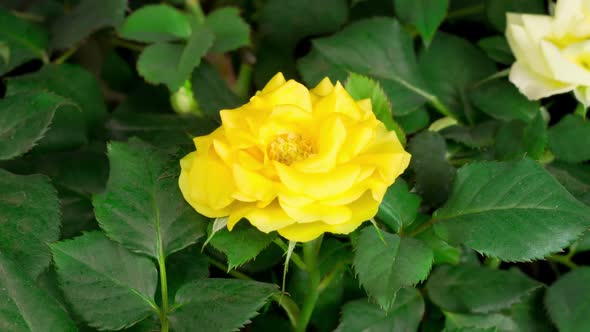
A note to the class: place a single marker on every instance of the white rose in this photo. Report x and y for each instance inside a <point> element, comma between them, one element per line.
<point>552,52</point>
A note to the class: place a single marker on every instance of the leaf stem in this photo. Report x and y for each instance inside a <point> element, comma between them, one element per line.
<point>310,256</point>
<point>563,260</point>
<point>422,228</point>
<point>195,7</point>
<point>65,56</point>
<point>243,82</point>
<point>285,302</point>
<point>118,42</point>
<point>164,291</point>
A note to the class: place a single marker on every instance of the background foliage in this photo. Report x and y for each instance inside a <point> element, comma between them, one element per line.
<point>485,232</point>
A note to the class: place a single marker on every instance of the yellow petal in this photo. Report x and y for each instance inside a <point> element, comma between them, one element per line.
<point>318,185</point>
<point>363,209</point>
<point>252,186</point>
<point>323,88</point>
<point>202,208</point>
<point>318,212</point>
<point>270,218</point>
<point>275,82</point>
<point>303,232</point>
<point>332,135</point>
<point>211,183</point>
<point>238,211</point>
<point>338,101</point>
<point>290,93</point>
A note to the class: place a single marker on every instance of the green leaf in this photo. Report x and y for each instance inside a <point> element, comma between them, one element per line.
<point>512,200</point>
<point>162,130</point>
<point>496,10</point>
<point>425,15</point>
<point>185,266</point>
<point>158,63</point>
<point>384,268</point>
<point>567,301</point>
<point>25,307</point>
<point>399,207</point>
<point>530,314</point>
<point>474,289</point>
<point>379,48</point>
<point>569,140</point>
<point>451,54</point>
<point>172,64</point>
<point>242,244</point>
<point>24,120</point>
<point>21,41</point>
<point>230,30</point>
<point>108,286</point>
<point>218,304</point>
<point>70,81</point>
<point>212,92</point>
<point>29,219</point>
<point>414,122</point>
<point>443,252</point>
<point>434,173</point>
<point>502,100</point>
<point>142,207</point>
<point>284,23</point>
<point>405,314</point>
<point>479,322</point>
<point>87,17</point>
<point>362,87</point>
<point>516,139</point>
<point>574,177</point>
<point>156,23</point>
<point>197,46</point>
<point>479,136</point>
<point>497,49</point>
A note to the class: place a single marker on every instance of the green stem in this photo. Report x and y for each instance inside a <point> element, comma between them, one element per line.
<point>294,257</point>
<point>195,7</point>
<point>563,260</point>
<point>164,291</point>
<point>117,42</point>
<point>310,256</point>
<point>65,56</point>
<point>242,87</point>
<point>422,228</point>
<point>285,302</point>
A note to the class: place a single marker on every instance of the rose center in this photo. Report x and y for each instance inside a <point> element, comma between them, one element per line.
<point>289,148</point>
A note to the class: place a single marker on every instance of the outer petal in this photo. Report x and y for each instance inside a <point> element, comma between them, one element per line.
<point>318,212</point>
<point>363,209</point>
<point>323,88</point>
<point>535,86</point>
<point>304,232</point>
<point>210,185</point>
<point>275,82</point>
<point>290,93</point>
<point>270,218</point>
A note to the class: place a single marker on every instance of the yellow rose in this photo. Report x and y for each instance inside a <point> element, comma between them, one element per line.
<point>297,161</point>
<point>552,53</point>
